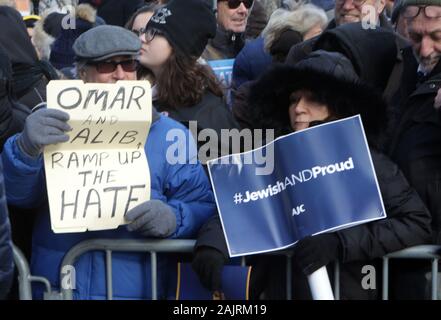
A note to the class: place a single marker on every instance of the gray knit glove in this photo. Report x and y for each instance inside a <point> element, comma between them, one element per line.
<point>152,218</point>
<point>43,127</point>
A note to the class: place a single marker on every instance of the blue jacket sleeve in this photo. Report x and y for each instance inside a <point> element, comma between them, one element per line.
<point>189,193</point>
<point>24,176</point>
<point>6,258</point>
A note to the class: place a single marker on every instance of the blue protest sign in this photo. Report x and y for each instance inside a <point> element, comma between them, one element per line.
<point>223,69</point>
<point>322,180</point>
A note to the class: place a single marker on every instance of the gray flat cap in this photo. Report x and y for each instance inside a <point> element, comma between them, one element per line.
<point>104,42</point>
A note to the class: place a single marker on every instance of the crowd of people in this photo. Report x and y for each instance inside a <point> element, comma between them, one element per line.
<point>297,64</point>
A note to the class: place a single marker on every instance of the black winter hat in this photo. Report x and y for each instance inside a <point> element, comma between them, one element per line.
<point>332,79</point>
<point>372,62</point>
<point>187,25</point>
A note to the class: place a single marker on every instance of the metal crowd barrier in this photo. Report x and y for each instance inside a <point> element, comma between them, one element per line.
<point>108,246</point>
<point>426,252</point>
<point>25,278</point>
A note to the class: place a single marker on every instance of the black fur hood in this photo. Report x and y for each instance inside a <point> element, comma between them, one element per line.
<point>328,76</point>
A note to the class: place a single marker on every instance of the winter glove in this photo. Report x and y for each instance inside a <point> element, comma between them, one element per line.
<point>312,253</point>
<point>43,127</point>
<point>208,263</point>
<point>152,218</point>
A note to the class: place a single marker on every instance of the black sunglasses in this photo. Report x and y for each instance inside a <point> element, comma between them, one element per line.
<point>234,4</point>
<point>110,66</point>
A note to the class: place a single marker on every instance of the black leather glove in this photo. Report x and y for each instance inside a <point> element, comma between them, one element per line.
<point>208,263</point>
<point>312,253</point>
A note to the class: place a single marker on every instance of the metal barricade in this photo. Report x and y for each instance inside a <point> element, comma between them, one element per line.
<point>426,252</point>
<point>153,247</point>
<point>108,246</point>
<point>25,278</point>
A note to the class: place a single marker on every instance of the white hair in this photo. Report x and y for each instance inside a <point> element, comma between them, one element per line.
<point>303,19</point>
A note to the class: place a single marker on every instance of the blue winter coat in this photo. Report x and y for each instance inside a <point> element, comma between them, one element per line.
<point>184,187</point>
<point>250,63</point>
<point>6,262</point>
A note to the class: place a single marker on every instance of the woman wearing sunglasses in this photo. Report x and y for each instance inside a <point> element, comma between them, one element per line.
<point>172,42</point>
<point>232,18</point>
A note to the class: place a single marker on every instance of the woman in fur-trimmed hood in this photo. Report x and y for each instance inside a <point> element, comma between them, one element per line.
<point>333,81</point>
<point>324,87</point>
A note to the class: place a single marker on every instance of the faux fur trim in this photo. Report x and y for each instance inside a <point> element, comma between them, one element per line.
<point>42,40</point>
<point>86,12</point>
<point>268,99</point>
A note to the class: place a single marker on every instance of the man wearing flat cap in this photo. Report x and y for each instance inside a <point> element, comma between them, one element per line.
<point>107,54</point>
<point>181,196</point>
<point>416,145</point>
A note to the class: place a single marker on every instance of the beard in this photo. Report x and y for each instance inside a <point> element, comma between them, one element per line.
<point>427,64</point>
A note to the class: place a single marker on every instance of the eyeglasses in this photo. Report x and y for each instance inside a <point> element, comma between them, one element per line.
<point>139,32</point>
<point>234,4</point>
<point>429,11</point>
<point>110,66</point>
<point>357,3</point>
<point>148,33</point>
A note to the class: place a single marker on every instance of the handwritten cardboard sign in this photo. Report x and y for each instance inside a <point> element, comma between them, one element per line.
<point>102,171</point>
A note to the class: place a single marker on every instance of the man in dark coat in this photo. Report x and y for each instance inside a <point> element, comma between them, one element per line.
<point>331,77</point>
<point>416,146</point>
<point>232,28</point>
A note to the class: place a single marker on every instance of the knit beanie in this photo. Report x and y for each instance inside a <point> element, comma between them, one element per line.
<point>186,24</point>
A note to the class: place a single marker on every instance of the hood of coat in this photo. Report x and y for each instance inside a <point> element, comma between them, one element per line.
<point>331,77</point>
<point>373,52</point>
<point>20,50</point>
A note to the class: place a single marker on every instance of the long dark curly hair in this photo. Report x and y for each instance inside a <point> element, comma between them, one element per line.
<point>184,80</point>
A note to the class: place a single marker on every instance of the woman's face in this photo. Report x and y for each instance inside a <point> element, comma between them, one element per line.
<point>303,110</point>
<point>154,53</point>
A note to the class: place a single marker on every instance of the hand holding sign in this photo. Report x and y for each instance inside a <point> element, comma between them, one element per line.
<point>42,128</point>
<point>101,170</point>
<point>312,253</point>
<point>152,218</point>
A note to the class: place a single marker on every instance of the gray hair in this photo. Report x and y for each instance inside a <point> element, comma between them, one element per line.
<point>301,20</point>
<point>41,40</point>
